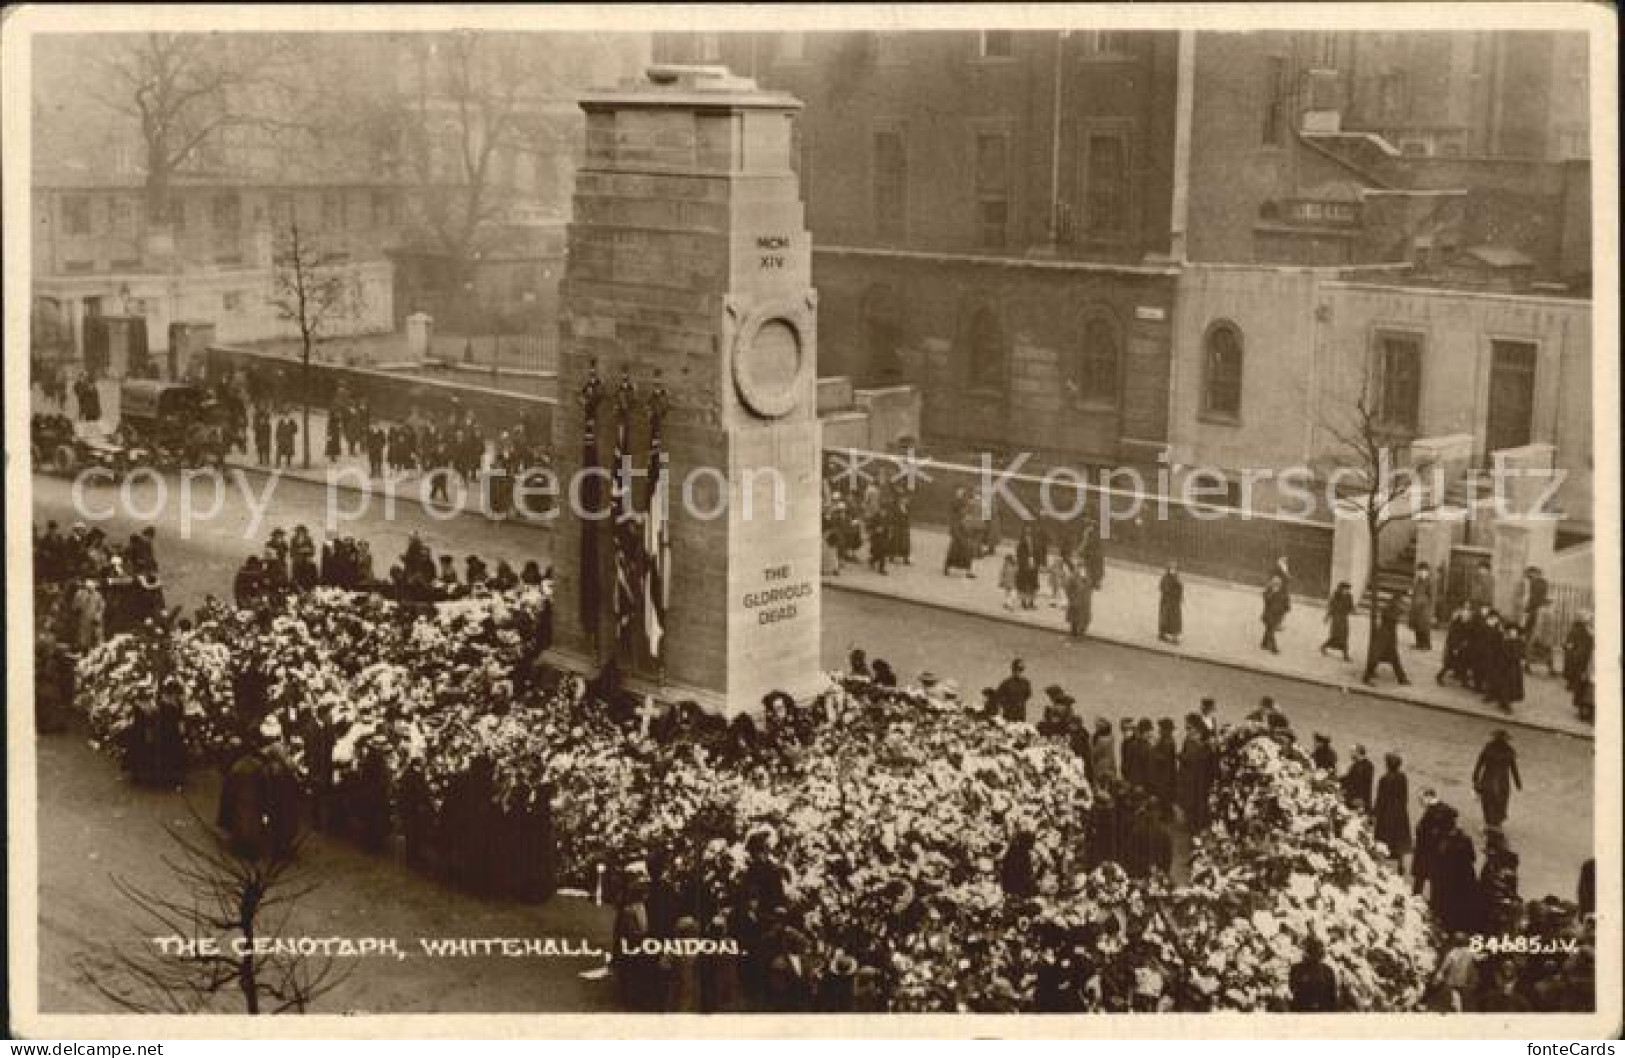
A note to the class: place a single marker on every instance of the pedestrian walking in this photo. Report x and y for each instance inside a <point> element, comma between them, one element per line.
<point>1007,581</point>
<point>1384,646</point>
<point>1457,645</point>
<point>1338,610</point>
<point>1170,605</point>
<point>1276,605</point>
<point>1535,592</point>
<point>1422,602</point>
<point>1578,650</point>
<point>1079,603</point>
<point>1494,777</point>
<point>1027,566</point>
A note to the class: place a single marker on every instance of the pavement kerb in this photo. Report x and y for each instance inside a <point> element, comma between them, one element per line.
<point>1510,720</point>
<point>316,477</point>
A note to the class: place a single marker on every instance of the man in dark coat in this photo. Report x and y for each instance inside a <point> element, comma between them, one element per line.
<point>1391,817</point>
<point>1577,653</point>
<point>262,436</point>
<point>1277,602</point>
<point>1384,647</point>
<point>1437,820</point>
<point>1195,773</point>
<point>1455,882</point>
<point>1324,756</point>
<point>1170,605</point>
<point>1014,692</point>
<point>1165,765</point>
<point>143,557</point>
<point>1359,780</point>
<point>1494,776</point>
<point>1136,754</point>
<point>1457,646</point>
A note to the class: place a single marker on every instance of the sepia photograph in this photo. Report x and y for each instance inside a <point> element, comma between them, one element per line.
<point>813,513</point>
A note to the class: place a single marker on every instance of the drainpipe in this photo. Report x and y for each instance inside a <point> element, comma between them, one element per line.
<point>1055,142</point>
<point>1185,100</point>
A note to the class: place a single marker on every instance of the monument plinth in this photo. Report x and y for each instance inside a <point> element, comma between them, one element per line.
<point>688,286</point>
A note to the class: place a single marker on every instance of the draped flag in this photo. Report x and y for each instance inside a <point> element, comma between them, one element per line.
<point>656,542</point>
<point>623,518</point>
<point>591,600</point>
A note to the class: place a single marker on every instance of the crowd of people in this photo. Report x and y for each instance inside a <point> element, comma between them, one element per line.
<point>87,588</point>
<point>878,513</point>
<point>295,563</point>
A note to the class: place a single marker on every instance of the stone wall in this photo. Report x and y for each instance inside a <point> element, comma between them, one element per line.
<point>1028,400</point>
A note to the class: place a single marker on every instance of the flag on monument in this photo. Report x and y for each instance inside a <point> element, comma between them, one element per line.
<point>656,552</point>
<point>624,534</point>
<point>591,500</point>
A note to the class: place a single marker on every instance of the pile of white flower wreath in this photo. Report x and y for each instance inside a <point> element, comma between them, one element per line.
<point>891,811</point>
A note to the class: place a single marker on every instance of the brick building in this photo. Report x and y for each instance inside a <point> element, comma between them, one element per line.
<point>1004,218</point>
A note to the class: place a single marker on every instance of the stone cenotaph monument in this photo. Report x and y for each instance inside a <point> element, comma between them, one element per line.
<point>689,313</point>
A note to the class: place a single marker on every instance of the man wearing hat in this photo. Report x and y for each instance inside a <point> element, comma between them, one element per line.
<point>1164,765</point>
<point>1436,821</point>
<point>1324,756</point>
<point>1058,714</point>
<point>1360,780</point>
<point>1494,776</point>
<point>1015,691</point>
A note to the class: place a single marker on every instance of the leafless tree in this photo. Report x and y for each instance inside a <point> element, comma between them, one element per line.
<point>1372,467</point>
<point>184,91</point>
<point>484,103</point>
<point>313,289</point>
<point>222,901</point>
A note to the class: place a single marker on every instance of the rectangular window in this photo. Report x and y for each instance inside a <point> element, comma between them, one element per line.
<point>889,176</point>
<point>123,216</point>
<point>1326,51</point>
<point>76,214</point>
<point>383,209</point>
<point>227,211</point>
<point>996,44</point>
<point>792,47</point>
<point>1391,94</point>
<point>1274,101</point>
<point>332,211</point>
<point>1399,381</point>
<point>890,49</point>
<point>992,189</point>
<point>1105,188</point>
<point>1104,44</point>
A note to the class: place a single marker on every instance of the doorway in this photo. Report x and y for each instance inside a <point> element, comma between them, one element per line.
<point>1512,395</point>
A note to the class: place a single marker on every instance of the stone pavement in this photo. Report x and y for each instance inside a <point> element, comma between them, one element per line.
<point>1221,626</point>
<point>1221,620</point>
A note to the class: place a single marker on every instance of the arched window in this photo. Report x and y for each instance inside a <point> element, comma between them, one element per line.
<point>984,347</point>
<point>1095,368</point>
<point>1221,371</point>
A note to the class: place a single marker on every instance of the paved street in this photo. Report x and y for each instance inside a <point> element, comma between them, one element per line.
<point>92,825</point>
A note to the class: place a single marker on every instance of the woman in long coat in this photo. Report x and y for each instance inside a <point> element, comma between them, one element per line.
<point>1079,603</point>
<point>1338,611</point>
<point>1392,817</point>
<point>1494,776</point>
<point>1027,567</point>
<point>1171,605</point>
